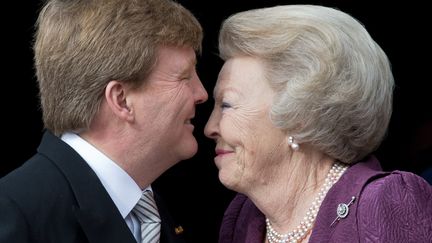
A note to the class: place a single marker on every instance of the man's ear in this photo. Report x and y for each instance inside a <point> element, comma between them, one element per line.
<point>116,98</point>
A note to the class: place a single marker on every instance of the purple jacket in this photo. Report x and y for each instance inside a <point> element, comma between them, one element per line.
<point>389,207</point>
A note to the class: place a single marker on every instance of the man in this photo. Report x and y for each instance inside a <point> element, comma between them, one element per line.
<point>118,90</point>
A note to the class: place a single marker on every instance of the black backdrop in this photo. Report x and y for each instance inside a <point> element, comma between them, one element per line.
<point>191,188</point>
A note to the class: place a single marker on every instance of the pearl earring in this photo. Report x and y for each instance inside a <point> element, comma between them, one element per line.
<point>293,144</point>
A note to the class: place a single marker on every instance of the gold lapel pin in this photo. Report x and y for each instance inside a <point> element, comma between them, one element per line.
<point>178,230</point>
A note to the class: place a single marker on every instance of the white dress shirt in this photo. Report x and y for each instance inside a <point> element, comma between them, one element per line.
<point>122,189</point>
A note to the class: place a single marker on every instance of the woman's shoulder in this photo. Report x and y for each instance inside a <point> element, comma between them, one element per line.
<point>396,186</point>
<point>374,184</point>
<point>397,205</point>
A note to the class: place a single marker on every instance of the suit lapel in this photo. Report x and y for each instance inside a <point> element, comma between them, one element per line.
<point>101,228</point>
<point>168,227</point>
<point>95,211</point>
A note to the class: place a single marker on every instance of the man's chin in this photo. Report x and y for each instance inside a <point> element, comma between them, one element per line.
<point>189,149</point>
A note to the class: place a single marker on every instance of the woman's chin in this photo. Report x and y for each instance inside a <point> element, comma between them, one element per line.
<point>229,181</point>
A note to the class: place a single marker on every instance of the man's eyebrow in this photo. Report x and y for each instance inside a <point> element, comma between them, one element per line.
<point>191,64</point>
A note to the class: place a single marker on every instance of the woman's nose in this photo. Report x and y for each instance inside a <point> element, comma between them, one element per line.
<point>211,129</point>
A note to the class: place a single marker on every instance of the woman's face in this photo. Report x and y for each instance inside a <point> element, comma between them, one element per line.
<point>248,145</point>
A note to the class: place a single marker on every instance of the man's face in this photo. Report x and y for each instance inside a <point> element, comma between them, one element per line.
<point>166,103</point>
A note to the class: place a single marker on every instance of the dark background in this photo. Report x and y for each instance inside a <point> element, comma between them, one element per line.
<point>191,188</point>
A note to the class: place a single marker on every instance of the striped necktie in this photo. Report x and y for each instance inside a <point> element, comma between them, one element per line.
<point>148,215</point>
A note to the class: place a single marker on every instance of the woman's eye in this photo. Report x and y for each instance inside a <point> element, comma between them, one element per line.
<point>225,105</point>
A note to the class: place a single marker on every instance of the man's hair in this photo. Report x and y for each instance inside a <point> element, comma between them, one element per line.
<point>81,45</point>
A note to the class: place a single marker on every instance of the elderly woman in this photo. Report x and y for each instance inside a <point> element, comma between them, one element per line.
<point>303,99</point>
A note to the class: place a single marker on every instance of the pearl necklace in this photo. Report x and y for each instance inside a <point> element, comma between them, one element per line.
<point>300,232</point>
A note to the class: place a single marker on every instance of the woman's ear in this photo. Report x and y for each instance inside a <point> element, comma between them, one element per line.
<point>116,98</point>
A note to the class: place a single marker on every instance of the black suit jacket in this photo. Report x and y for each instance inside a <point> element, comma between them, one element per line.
<point>56,197</point>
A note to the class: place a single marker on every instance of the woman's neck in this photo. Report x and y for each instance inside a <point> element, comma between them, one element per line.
<point>286,197</point>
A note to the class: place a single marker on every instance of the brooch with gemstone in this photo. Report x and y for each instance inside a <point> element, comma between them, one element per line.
<point>343,210</point>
